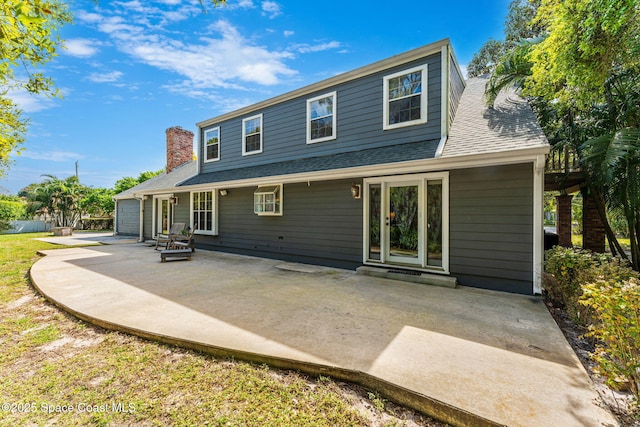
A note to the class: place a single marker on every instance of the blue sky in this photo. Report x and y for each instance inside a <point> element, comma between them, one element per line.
<point>133,68</point>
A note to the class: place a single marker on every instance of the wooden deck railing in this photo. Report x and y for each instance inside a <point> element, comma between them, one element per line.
<point>562,160</point>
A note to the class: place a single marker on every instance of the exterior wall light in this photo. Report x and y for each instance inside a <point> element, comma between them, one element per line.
<point>223,192</point>
<point>356,191</point>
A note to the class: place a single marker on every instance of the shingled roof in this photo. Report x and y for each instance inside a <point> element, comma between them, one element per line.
<point>477,129</point>
<point>372,156</point>
<point>162,181</point>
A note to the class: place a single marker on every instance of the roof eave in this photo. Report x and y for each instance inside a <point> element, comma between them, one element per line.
<point>414,166</point>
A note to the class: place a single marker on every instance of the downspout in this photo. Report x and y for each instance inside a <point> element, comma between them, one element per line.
<point>141,200</point>
<point>538,223</point>
<point>115,216</point>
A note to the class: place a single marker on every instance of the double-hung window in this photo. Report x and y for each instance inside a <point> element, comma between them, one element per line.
<point>212,144</point>
<point>405,98</point>
<point>204,218</point>
<point>321,118</point>
<point>252,135</point>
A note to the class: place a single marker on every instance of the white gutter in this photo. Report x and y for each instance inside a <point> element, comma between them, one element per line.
<point>141,200</point>
<point>538,223</point>
<point>115,216</point>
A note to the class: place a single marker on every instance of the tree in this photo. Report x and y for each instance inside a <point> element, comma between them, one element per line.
<point>28,39</point>
<point>484,61</point>
<point>518,28</point>
<point>582,80</point>
<point>588,40</point>
<point>123,184</point>
<point>11,208</point>
<point>519,24</point>
<point>61,199</point>
<point>98,202</point>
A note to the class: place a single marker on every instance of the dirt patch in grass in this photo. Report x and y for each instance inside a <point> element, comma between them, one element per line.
<point>57,370</point>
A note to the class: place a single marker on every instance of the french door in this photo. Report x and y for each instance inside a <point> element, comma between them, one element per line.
<point>406,221</point>
<point>163,216</point>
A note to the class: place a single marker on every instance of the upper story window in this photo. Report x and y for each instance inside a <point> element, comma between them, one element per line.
<point>405,98</point>
<point>252,135</point>
<point>321,118</point>
<point>212,144</point>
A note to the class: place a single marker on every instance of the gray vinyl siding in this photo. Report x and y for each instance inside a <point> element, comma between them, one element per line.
<point>321,224</point>
<point>128,217</point>
<point>359,123</point>
<point>181,211</point>
<point>456,87</point>
<point>148,220</point>
<point>491,224</point>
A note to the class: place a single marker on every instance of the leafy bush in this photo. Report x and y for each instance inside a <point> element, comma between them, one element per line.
<point>568,269</point>
<point>11,210</point>
<point>615,307</point>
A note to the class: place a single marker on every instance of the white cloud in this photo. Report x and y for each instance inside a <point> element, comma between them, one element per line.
<point>53,156</point>
<point>109,77</point>
<point>307,48</point>
<point>226,61</point>
<point>88,17</point>
<point>271,8</point>
<point>241,4</point>
<point>288,33</point>
<point>30,103</point>
<point>81,48</point>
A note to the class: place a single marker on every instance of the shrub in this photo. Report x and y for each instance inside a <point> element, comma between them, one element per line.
<point>615,307</point>
<point>564,268</point>
<point>568,269</point>
<point>11,210</point>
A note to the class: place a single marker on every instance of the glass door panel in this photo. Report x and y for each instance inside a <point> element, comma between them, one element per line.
<point>403,224</point>
<point>375,207</point>
<point>162,216</point>
<point>434,223</point>
<point>165,217</point>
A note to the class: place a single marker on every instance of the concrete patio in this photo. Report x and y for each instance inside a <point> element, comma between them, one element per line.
<point>466,356</point>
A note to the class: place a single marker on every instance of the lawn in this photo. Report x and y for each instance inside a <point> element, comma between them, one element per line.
<point>57,370</point>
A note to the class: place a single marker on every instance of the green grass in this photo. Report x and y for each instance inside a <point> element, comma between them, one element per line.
<point>51,362</point>
<point>576,239</point>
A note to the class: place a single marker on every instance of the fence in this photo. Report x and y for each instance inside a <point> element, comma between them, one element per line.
<point>30,226</point>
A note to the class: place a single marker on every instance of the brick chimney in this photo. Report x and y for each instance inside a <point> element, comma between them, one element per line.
<point>179,147</point>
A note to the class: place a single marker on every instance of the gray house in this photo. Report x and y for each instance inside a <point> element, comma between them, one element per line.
<point>398,164</point>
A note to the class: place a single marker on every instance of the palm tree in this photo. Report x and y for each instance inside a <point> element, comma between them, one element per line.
<point>61,199</point>
<point>612,159</point>
<point>512,70</point>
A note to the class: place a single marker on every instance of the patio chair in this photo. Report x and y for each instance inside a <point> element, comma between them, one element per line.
<point>183,242</point>
<point>176,230</point>
<point>182,247</point>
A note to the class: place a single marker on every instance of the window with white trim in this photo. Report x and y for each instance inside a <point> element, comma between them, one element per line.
<point>212,144</point>
<point>252,135</point>
<point>321,118</point>
<point>405,98</point>
<point>267,200</point>
<point>204,218</point>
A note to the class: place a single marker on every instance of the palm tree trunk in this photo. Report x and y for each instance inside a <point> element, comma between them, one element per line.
<point>634,237</point>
